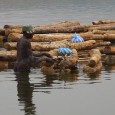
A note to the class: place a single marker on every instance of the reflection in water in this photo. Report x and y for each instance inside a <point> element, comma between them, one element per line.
<point>93,76</point>
<point>109,68</point>
<point>25,90</point>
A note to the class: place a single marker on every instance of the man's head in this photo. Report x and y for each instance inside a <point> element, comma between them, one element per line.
<point>28,31</point>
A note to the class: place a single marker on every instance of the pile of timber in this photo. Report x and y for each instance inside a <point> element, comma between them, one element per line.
<point>98,35</point>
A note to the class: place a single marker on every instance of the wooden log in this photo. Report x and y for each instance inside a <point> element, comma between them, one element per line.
<point>3,65</point>
<point>82,45</point>
<point>108,59</point>
<point>9,30</point>
<point>109,37</point>
<point>102,43</point>
<point>109,68</point>
<point>102,32</point>
<point>8,55</point>
<point>94,60</point>
<point>86,35</point>
<point>62,24</point>
<point>38,46</point>
<point>94,69</point>
<point>64,64</point>
<point>97,37</point>
<point>94,51</point>
<point>109,50</point>
<point>101,49</point>
<point>10,45</point>
<point>13,37</point>
<point>2,32</point>
<point>41,46</point>
<point>2,38</point>
<point>102,27</point>
<point>95,57</point>
<point>70,29</point>
<point>103,22</point>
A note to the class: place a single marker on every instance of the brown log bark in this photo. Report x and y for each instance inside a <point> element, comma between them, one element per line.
<point>8,55</point>
<point>38,46</point>
<point>94,69</point>
<point>109,37</point>
<point>13,37</point>
<point>103,22</point>
<point>2,32</point>
<point>109,50</point>
<point>103,27</point>
<point>70,29</point>
<point>82,45</point>
<point>9,30</point>
<point>62,24</point>
<point>3,65</point>
<point>45,46</point>
<point>95,57</point>
<point>109,59</point>
<point>102,43</point>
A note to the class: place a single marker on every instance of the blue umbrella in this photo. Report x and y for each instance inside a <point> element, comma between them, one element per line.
<point>77,38</point>
<point>64,51</point>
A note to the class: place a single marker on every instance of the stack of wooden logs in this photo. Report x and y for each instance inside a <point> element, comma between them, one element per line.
<point>98,35</point>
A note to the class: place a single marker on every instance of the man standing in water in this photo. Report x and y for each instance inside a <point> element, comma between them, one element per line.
<point>25,56</point>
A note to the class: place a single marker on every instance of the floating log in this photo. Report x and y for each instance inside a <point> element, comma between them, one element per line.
<point>66,64</point>
<point>94,51</point>
<point>102,27</point>
<point>103,22</point>
<point>14,30</point>
<point>109,50</point>
<point>102,32</point>
<point>46,46</point>
<point>82,45</point>
<point>13,37</point>
<point>3,65</point>
<point>94,69</point>
<point>8,55</point>
<point>101,49</point>
<point>94,60</point>
<point>102,43</point>
<point>95,57</point>
<point>97,37</point>
<point>109,37</point>
<point>62,24</point>
<point>70,29</point>
<point>38,46</point>
<point>41,37</point>
<point>2,32</point>
<point>108,59</point>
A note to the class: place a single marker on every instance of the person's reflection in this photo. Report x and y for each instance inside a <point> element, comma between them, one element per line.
<point>25,90</point>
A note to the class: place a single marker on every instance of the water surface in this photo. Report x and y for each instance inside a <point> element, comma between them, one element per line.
<point>74,94</point>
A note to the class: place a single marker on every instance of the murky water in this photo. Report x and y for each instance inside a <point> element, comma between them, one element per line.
<point>74,94</point>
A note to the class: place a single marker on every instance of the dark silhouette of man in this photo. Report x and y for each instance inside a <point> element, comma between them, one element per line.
<point>25,56</point>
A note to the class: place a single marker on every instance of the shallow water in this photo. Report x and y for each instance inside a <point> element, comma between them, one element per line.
<point>74,94</point>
